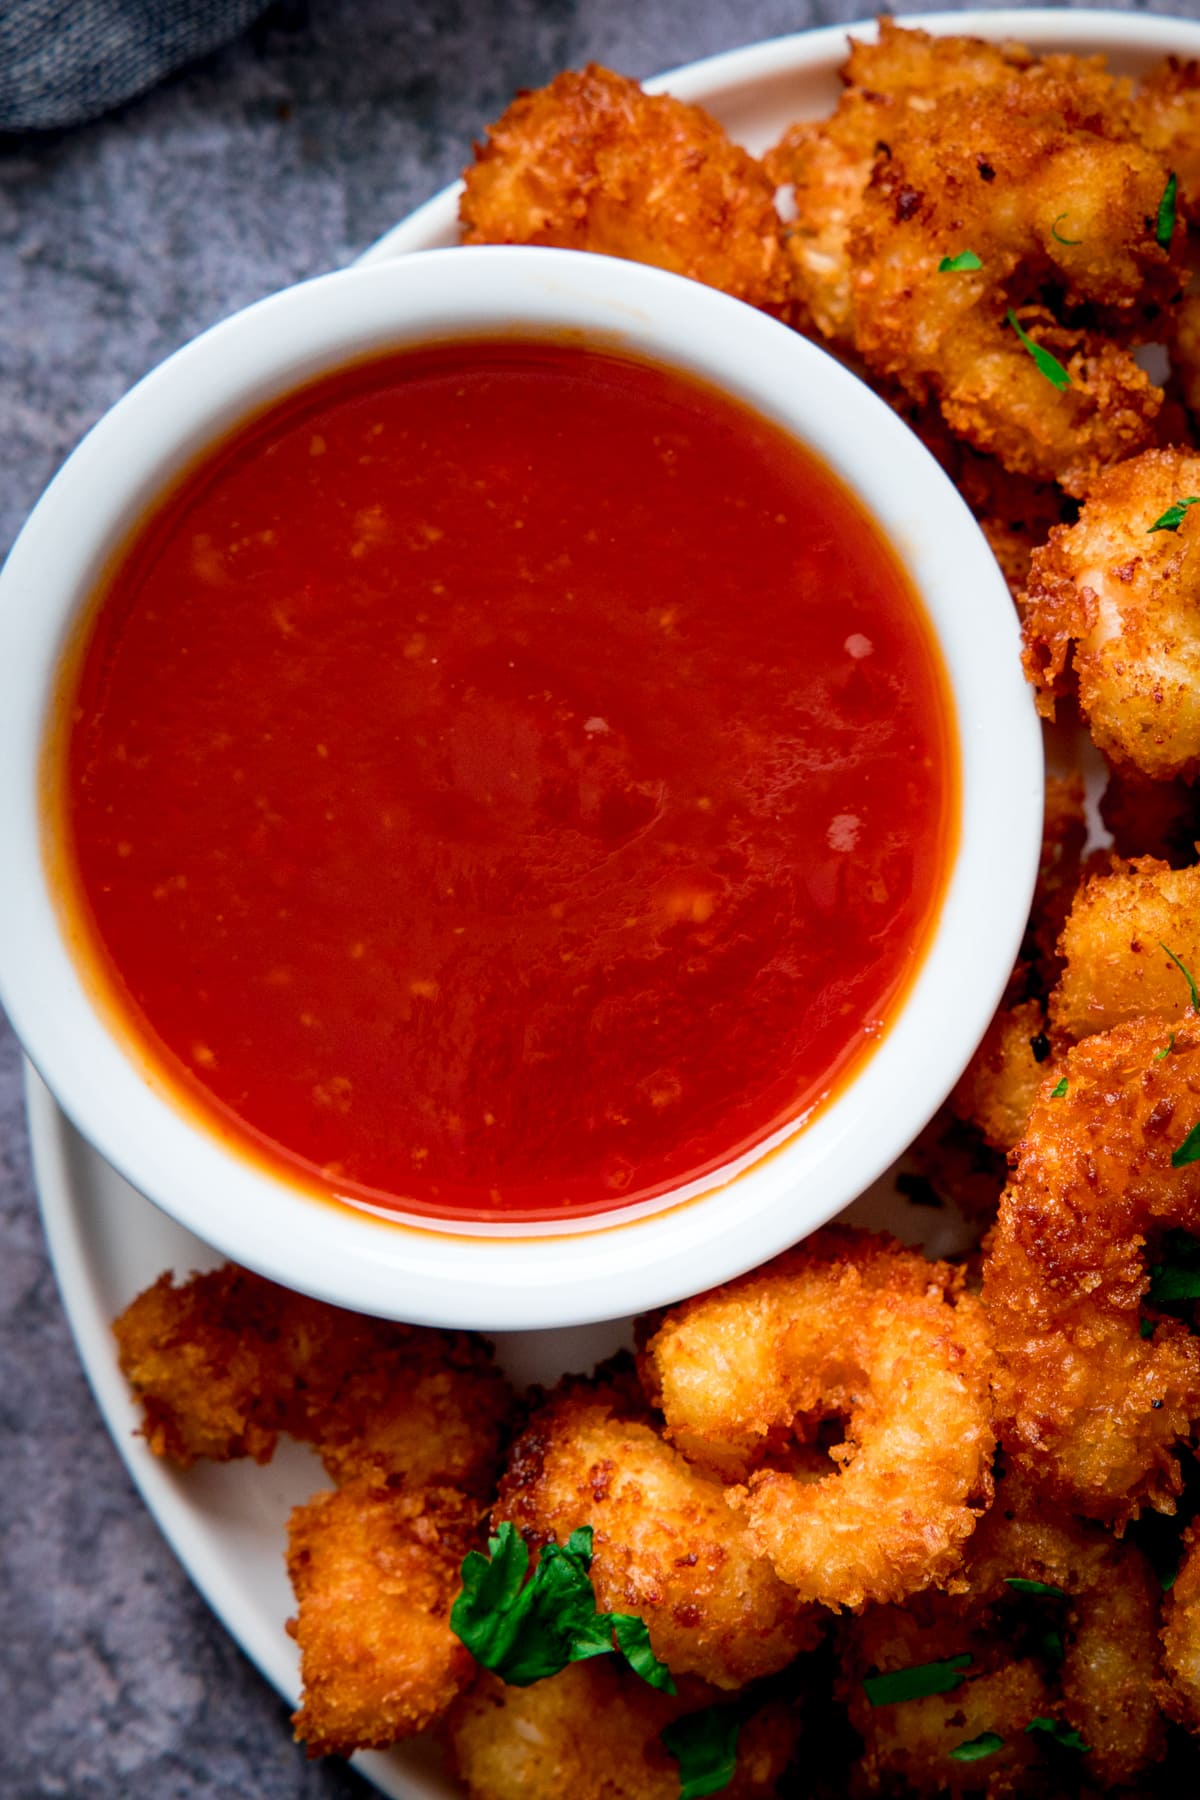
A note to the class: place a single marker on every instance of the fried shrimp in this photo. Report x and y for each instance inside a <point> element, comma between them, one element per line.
<point>225,1361</point>
<point>1181,1638</point>
<point>1113,611</point>
<point>666,1544</point>
<point>375,1573</point>
<point>1086,1405</point>
<point>592,163</point>
<point>853,1327</point>
<point>594,1733</point>
<point>1081,1649</point>
<point>997,1088</point>
<point>1116,967</point>
<point>882,203</point>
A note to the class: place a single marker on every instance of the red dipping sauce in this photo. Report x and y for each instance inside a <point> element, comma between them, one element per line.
<point>506,780</point>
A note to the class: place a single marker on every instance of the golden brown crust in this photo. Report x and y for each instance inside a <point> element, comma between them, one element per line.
<point>1113,612</point>
<point>593,1733</point>
<point>224,1362</point>
<point>1115,968</point>
<point>375,1573</point>
<point>592,163</point>
<point>1180,1693</point>
<point>1087,1406</point>
<point>997,1088</point>
<point>666,1545</point>
<point>855,1327</point>
<point>1103,1686</point>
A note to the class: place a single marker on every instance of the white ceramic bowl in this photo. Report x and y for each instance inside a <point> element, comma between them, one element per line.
<point>497,1277</point>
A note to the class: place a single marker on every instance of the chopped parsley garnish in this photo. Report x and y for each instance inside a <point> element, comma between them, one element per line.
<point>986,1744</point>
<point>916,1683</point>
<point>1061,1734</point>
<point>1019,1585</point>
<point>1172,519</point>
<point>1146,1328</point>
<point>1177,1277</point>
<point>705,1746</point>
<point>965,262</point>
<point>1047,365</point>
<point>1188,1152</point>
<point>1187,976</point>
<point>1166,1049</point>
<point>1164,224</point>
<point>1169,1579</point>
<point>526,1630</point>
<point>1056,234</point>
<point>1059,1089</point>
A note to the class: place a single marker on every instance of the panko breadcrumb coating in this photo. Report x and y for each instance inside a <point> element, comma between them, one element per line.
<point>1096,1676</point>
<point>853,1327</point>
<point>592,163</point>
<point>226,1361</point>
<point>997,1088</point>
<point>375,1572</point>
<point>1113,612</point>
<point>666,1545</point>
<point>1087,1406</point>
<point>1181,1638</point>
<point>593,1733</point>
<point>1116,969</point>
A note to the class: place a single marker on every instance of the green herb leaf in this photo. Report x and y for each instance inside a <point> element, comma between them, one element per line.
<point>527,1630</point>
<point>1059,1733</point>
<point>1050,1643</point>
<point>1164,224</point>
<point>1059,1089</point>
<point>1184,970</point>
<point>1166,1050</point>
<point>1057,235</point>
<point>1019,1585</point>
<point>1169,1579</point>
<point>916,1683</point>
<point>1188,1151</point>
<point>1047,365</point>
<point>1146,1328</point>
<point>986,1744</point>
<point>1171,520</point>
<point>705,1746</point>
<point>633,1640</point>
<point>966,261</point>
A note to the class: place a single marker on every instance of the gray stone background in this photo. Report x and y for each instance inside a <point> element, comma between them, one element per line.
<point>283,155</point>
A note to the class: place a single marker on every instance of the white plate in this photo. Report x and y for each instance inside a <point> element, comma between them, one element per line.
<point>227,1523</point>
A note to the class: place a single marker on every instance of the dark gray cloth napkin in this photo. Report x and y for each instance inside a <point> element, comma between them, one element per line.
<point>62,61</point>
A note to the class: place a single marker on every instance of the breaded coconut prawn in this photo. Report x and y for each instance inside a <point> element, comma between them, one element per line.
<point>849,1327</point>
<point>1129,943</point>
<point>667,1546</point>
<point>595,1733</point>
<point>593,163</point>
<point>1112,612</point>
<point>409,1423</point>
<point>1095,1388</point>
<point>1053,1620</point>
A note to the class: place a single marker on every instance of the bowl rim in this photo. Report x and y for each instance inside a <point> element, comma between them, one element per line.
<point>441,1274</point>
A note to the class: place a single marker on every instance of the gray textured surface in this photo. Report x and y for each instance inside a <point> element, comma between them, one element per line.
<point>281,156</point>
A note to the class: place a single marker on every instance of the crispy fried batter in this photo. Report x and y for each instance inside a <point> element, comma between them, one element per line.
<point>882,200</point>
<point>1167,119</point>
<point>1102,1687</point>
<point>1086,1405</point>
<point>998,1086</point>
<point>592,163</point>
<point>226,1361</point>
<point>375,1573</point>
<point>666,1545</point>
<point>1181,1638</point>
<point>1115,967</point>
<point>855,1327</point>
<point>593,1733</point>
<point>1112,609</point>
